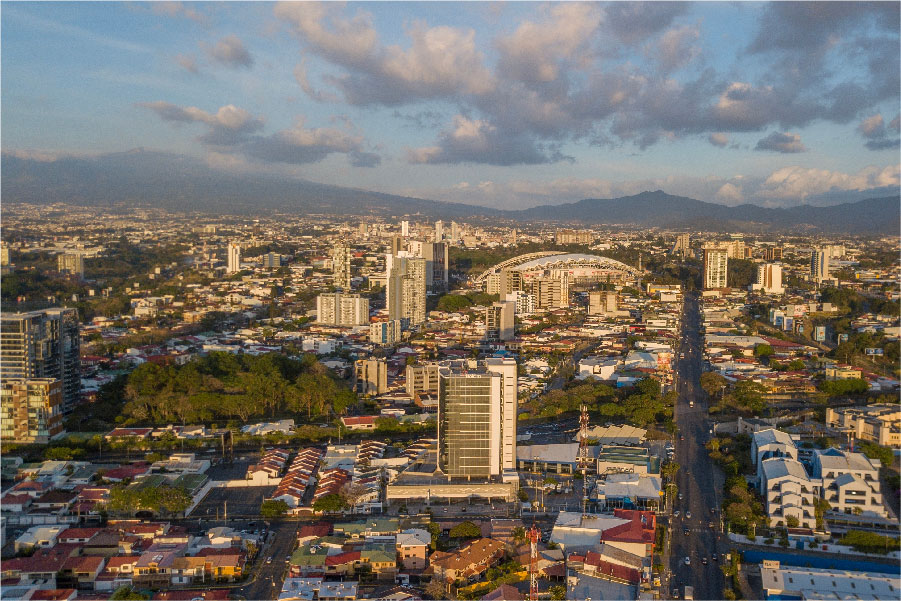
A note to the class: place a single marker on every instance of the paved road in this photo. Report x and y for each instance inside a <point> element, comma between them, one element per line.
<point>270,576</point>
<point>699,480</point>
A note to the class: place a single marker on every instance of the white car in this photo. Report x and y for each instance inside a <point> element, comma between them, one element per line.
<point>688,561</point>
<point>688,514</point>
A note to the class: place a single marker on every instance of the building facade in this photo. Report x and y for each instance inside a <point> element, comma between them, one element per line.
<point>71,263</point>
<point>819,265</point>
<point>500,321</point>
<point>43,344</point>
<point>341,266</point>
<point>31,410</point>
<point>371,376</point>
<point>386,333</point>
<point>406,288</point>
<point>233,263</point>
<point>477,418</point>
<point>716,267</point>
<point>342,309</point>
<point>769,279</point>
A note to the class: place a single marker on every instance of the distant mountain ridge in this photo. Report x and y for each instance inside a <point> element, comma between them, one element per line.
<point>180,183</point>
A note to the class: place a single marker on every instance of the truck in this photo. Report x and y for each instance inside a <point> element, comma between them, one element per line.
<point>689,593</point>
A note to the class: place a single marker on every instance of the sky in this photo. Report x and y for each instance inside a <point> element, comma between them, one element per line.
<point>499,104</point>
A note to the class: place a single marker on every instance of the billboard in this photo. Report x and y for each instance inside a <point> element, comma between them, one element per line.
<point>874,351</point>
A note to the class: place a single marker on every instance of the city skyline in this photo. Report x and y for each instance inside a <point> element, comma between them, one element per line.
<point>507,105</point>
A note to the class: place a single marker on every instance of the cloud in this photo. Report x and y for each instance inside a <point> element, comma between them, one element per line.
<point>230,51</point>
<point>188,63</point>
<point>300,74</point>
<point>718,139</point>
<point>74,31</point>
<point>883,144</point>
<point>677,47</point>
<point>872,127</point>
<point>802,182</point>
<point>233,131</point>
<point>478,141</point>
<point>176,9</point>
<point>636,21</point>
<point>895,124</point>
<point>229,126</point>
<point>730,193</point>
<point>779,142</point>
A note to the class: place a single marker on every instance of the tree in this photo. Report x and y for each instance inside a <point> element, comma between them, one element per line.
<point>763,350</point>
<point>271,508</point>
<point>435,530</point>
<point>436,589</point>
<point>330,503</point>
<point>127,593</point>
<point>558,592</point>
<point>669,470</point>
<point>712,382</point>
<point>465,530</point>
<point>843,387</point>
<point>792,521</point>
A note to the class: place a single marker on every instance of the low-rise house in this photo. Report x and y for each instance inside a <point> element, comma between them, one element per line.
<point>43,537</point>
<point>413,548</point>
<point>81,572</point>
<point>469,563</point>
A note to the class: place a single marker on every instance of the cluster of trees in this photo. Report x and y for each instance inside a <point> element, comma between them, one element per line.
<point>844,387</point>
<point>793,365</point>
<point>458,302</point>
<point>643,404</point>
<point>732,454</point>
<point>163,499</point>
<point>870,542</point>
<point>223,385</point>
<point>273,508</point>
<point>746,397</point>
<point>741,508</point>
<point>875,451</point>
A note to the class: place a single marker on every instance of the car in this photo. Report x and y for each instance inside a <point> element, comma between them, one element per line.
<point>288,559</point>
<point>681,496</point>
<point>268,560</point>
<point>713,510</point>
<point>676,513</point>
<point>713,557</point>
<point>688,514</point>
<point>710,525</point>
<point>686,531</point>
<point>687,560</point>
<point>704,560</point>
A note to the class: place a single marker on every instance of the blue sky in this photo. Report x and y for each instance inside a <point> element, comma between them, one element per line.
<point>501,104</point>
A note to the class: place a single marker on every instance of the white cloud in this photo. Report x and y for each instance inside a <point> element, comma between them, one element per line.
<point>872,127</point>
<point>230,51</point>
<point>801,182</point>
<point>787,143</point>
<point>718,139</point>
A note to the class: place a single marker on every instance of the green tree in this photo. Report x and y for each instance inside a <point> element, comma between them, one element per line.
<point>465,530</point>
<point>126,593</point>
<point>330,503</point>
<point>558,592</point>
<point>844,387</point>
<point>763,350</point>
<point>712,383</point>
<point>271,508</point>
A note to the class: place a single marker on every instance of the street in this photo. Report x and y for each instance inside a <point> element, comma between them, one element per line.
<point>269,576</point>
<point>700,482</point>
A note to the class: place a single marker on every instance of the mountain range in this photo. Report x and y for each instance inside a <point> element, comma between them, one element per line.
<point>173,182</point>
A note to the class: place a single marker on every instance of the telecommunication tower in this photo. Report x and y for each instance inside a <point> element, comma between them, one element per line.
<point>534,537</point>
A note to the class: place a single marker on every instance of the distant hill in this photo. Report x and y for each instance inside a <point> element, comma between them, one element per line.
<point>660,209</point>
<point>174,182</point>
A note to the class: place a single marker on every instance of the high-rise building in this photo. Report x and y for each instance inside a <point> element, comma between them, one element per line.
<point>405,228</point>
<point>772,253</point>
<point>736,249</point>
<point>477,418</point>
<point>819,265</point>
<point>422,378</point>
<point>682,245</point>
<point>769,279</point>
<point>436,263</point>
<point>234,258</point>
<point>439,231</point>
<point>341,266</point>
<point>499,321</point>
<point>386,333</point>
<point>406,290</point>
<point>551,292</point>
<point>72,263</point>
<point>523,301</point>
<point>4,254</point>
<point>601,303</point>
<point>397,244</point>
<point>43,344</point>
<point>371,376</point>
<point>454,231</point>
<point>272,261</point>
<point>31,410</point>
<point>342,309</point>
<point>716,267</point>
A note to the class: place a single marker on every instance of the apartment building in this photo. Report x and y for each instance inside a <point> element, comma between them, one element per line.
<point>31,410</point>
<point>850,481</point>
<point>880,424</point>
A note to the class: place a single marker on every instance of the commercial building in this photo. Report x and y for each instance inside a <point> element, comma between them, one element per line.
<point>850,481</point>
<point>341,266</point>
<point>386,333</point>
<point>371,376</point>
<point>31,410</point>
<point>477,418</point>
<point>819,265</point>
<point>406,288</point>
<point>342,309</point>
<point>436,263</point>
<point>791,582</point>
<point>716,267</point>
<point>772,253</point>
<point>272,261</point>
<point>523,301</point>
<point>71,263</point>
<point>573,237</point>
<point>551,292</point>
<point>233,263</point>
<point>499,321</point>
<point>880,424</point>
<point>422,378</point>
<point>769,279</point>
<point>43,344</point>
<point>601,303</point>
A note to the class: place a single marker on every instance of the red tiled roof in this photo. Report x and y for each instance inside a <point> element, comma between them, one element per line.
<point>342,558</point>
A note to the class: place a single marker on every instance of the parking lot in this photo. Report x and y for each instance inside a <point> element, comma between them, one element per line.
<point>242,502</point>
